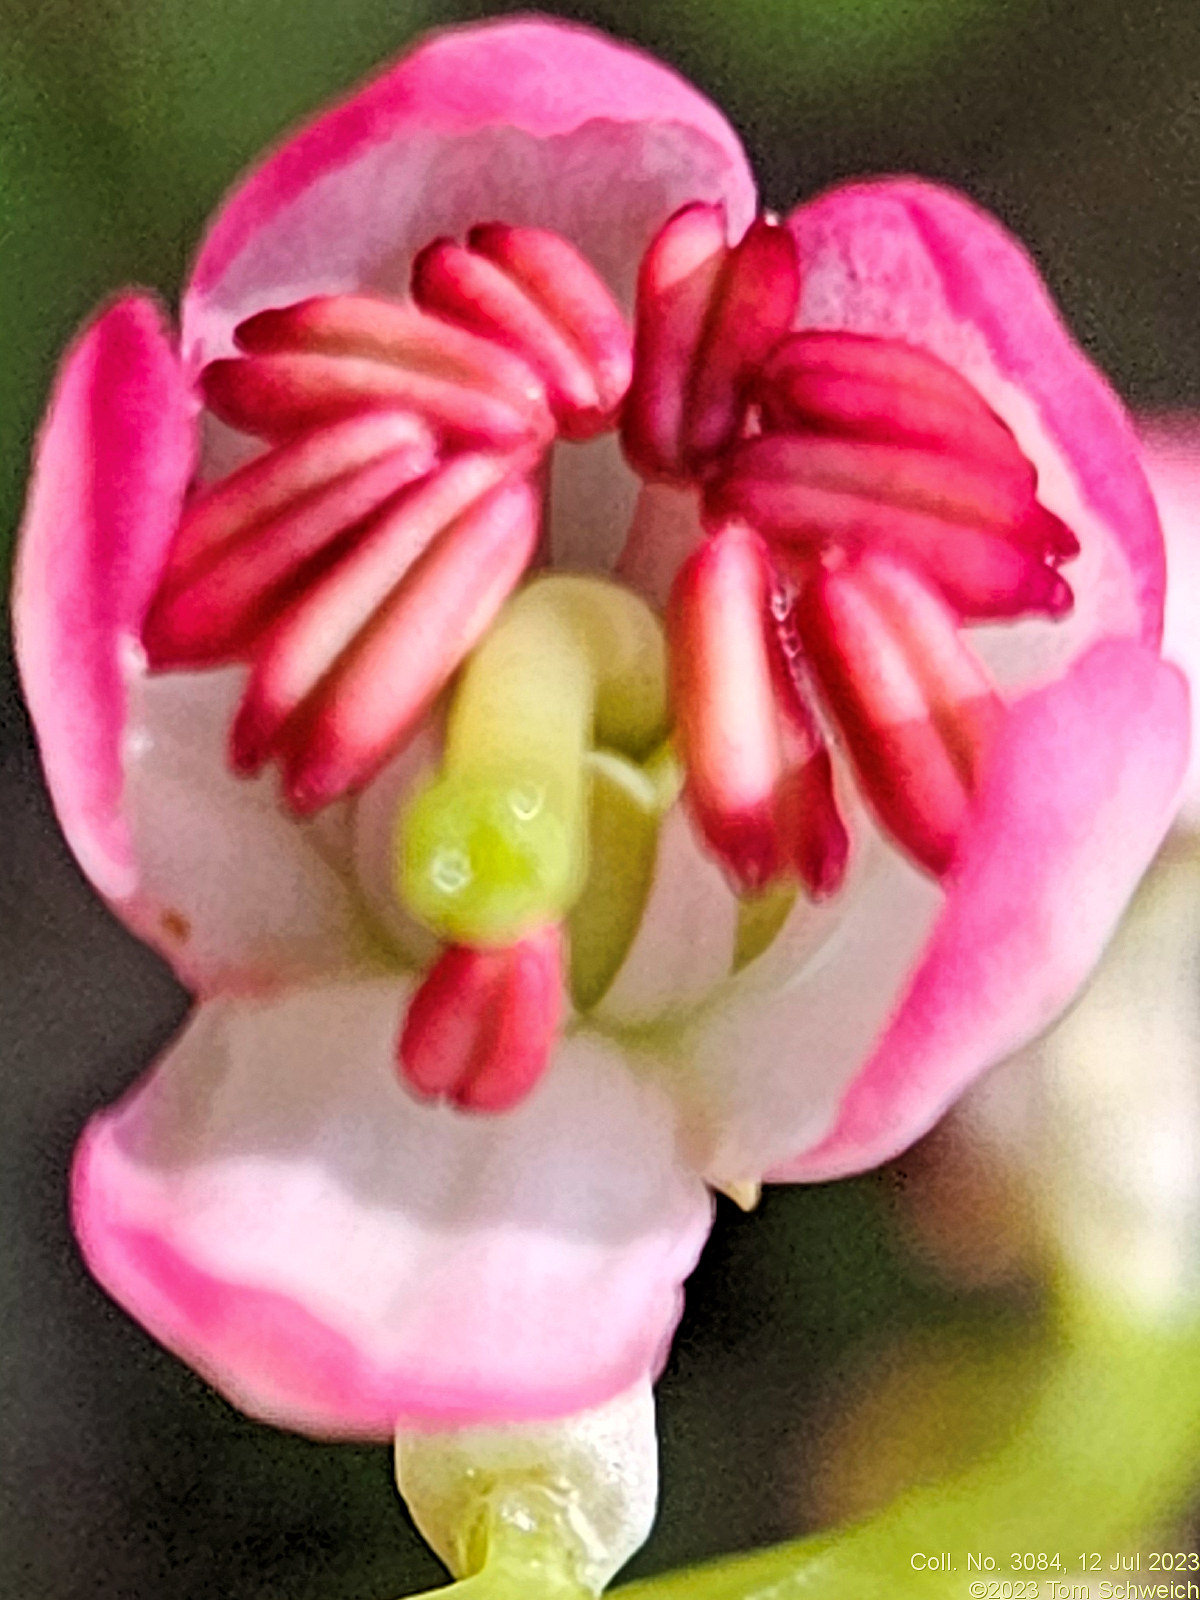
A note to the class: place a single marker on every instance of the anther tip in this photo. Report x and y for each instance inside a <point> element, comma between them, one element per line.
<point>252,331</point>
<point>1060,601</point>
<point>249,747</point>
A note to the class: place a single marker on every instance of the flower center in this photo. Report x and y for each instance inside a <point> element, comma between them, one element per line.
<point>862,505</point>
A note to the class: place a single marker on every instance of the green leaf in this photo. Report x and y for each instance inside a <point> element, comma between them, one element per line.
<point>1106,1454</point>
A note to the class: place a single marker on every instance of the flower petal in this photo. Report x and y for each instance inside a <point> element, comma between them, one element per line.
<point>527,122</point>
<point>910,261</point>
<point>336,1257</point>
<point>1082,789</point>
<point>805,1071</point>
<point>200,866</point>
<point>1172,453</point>
<point>113,461</point>
<point>233,892</point>
<point>1074,802</point>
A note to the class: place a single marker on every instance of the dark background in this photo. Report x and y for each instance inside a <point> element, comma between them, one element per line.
<point>121,123</point>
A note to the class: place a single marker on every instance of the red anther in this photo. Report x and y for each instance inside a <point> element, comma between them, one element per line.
<point>212,608</point>
<point>814,835</point>
<point>752,308</point>
<point>481,1028</point>
<point>314,631</point>
<point>785,481</point>
<point>856,386</point>
<point>677,279</point>
<point>1047,536</point>
<point>280,478</point>
<point>400,333</point>
<point>914,706</point>
<point>572,294</point>
<point>723,694</point>
<point>810,823</point>
<point>974,529</point>
<point>278,395</point>
<point>707,317</point>
<point>376,694</point>
<point>477,289</point>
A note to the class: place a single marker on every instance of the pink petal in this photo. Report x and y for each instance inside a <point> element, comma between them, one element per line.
<point>527,122</point>
<point>1082,788</point>
<point>907,260</point>
<point>113,461</point>
<point>1080,794</point>
<point>336,1257</point>
<point>1172,447</point>
<point>204,868</point>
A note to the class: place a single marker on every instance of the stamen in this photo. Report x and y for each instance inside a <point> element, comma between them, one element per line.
<point>815,836</point>
<point>572,294</point>
<point>753,307</point>
<point>761,918</point>
<point>281,478</point>
<point>913,704</point>
<point>707,316</point>
<point>400,333</point>
<point>759,778</point>
<point>480,1028</point>
<point>677,280</point>
<point>860,387</point>
<point>778,470</point>
<point>279,395</point>
<point>976,530</point>
<point>212,609</point>
<point>314,633</point>
<point>498,844</point>
<point>532,292</point>
<point>382,686</point>
<point>722,690</point>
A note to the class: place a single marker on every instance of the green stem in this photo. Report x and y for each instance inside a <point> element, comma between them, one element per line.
<point>518,1550</point>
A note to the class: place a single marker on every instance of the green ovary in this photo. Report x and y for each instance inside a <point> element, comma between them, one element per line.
<point>498,843</point>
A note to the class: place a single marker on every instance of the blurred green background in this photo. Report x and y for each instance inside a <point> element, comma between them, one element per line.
<point>121,123</point>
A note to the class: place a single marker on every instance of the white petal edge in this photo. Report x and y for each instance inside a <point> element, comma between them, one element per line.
<point>233,891</point>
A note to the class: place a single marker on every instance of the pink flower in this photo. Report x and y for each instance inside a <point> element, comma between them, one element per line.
<point>334,1253</point>
<point>1171,446</point>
